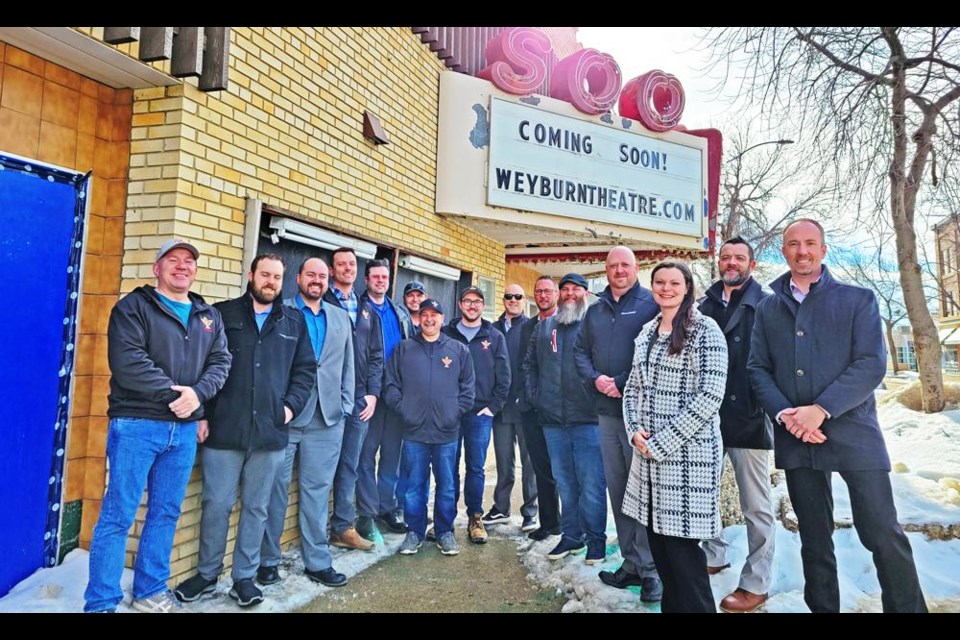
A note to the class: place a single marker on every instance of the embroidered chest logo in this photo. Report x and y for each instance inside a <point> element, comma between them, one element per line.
<point>207,324</point>
<point>366,314</point>
<point>486,344</point>
<point>446,362</point>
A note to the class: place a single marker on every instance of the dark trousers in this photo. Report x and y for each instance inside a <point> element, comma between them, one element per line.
<point>875,519</point>
<point>547,496</point>
<point>682,566</point>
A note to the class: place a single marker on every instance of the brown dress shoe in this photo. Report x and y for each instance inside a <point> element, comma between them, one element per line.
<point>741,601</point>
<point>715,570</point>
<point>350,539</point>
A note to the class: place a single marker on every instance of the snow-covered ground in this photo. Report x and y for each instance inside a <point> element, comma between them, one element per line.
<point>924,449</point>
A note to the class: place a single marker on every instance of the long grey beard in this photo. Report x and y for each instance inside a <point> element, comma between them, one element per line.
<point>572,312</point>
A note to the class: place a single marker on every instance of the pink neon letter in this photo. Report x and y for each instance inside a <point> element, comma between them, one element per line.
<point>587,79</point>
<point>655,98</point>
<point>517,60</point>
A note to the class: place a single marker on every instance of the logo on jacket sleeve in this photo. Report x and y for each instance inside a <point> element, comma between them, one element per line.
<point>447,361</point>
<point>207,324</point>
<point>486,344</point>
<point>366,314</point>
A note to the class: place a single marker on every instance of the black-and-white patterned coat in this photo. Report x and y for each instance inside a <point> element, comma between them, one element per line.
<point>676,398</point>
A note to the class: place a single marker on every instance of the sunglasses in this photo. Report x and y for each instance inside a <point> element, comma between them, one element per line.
<point>513,296</point>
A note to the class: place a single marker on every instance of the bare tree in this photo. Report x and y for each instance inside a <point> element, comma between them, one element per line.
<point>877,101</point>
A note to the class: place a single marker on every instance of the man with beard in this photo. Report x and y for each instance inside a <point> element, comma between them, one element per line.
<point>491,367</point>
<point>570,426</point>
<point>747,434</point>
<point>317,433</point>
<point>378,474</point>
<point>270,382</point>
<point>604,354</point>
<point>368,369</point>
<point>545,296</point>
<point>413,294</point>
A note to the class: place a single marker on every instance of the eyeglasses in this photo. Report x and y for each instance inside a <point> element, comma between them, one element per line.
<point>543,292</point>
<point>513,296</point>
<point>472,303</point>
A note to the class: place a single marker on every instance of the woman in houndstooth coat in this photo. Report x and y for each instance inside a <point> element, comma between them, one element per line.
<point>671,405</point>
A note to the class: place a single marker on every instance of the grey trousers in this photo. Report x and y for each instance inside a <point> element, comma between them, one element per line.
<point>228,474</point>
<point>505,434</point>
<point>751,467</point>
<point>617,454</point>
<point>319,447</point>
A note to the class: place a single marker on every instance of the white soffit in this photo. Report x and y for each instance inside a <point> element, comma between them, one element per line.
<point>86,56</point>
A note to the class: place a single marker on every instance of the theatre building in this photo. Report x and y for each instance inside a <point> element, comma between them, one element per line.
<point>465,156</point>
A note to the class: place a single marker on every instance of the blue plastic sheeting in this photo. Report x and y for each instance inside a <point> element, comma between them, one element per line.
<point>41,210</point>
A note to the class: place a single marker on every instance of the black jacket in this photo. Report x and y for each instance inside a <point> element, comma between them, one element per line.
<point>491,364</point>
<point>554,387</point>
<point>368,347</point>
<point>149,351</point>
<point>743,423</point>
<point>605,346</point>
<point>430,385</point>
<point>516,349</point>
<point>271,368</point>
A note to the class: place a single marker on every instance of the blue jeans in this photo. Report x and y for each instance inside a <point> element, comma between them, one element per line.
<point>578,467</point>
<point>156,455</point>
<point>474,441</point>
<point>418,457</point>
<point>345,479</point>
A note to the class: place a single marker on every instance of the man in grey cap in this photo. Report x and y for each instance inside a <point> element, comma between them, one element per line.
<point>413,294</point>
<point>168,355</point>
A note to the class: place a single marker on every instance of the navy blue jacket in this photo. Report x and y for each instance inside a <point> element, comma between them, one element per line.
<point>516,349</point>
<point>605,346</point>
<point>430,385</point>
<point>271,368</point>
<point>150,350</point>
<point>743,423</point>
<point>827,351</point>
<point>368,347</point>
<point>554,387</point>
<point>491,364</point>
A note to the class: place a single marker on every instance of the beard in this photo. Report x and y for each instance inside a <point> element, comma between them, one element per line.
<point>736,280</point>
<point>572,311</point>
<point>263,295</point>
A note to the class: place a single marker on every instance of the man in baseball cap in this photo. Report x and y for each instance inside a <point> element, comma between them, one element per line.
<point>176,243</point>
<point>413,294</point>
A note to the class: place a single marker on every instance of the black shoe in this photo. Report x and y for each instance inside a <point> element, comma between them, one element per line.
<point>246,593</point>
<point>365,527</point>
<point>543,533</point>
<point>327,577</point>
<point>495,516</point>
<point>620,579</point>
<point>268,575</point>
<point>651,589</point>
<point>393,523</point>
<point>192,588</point>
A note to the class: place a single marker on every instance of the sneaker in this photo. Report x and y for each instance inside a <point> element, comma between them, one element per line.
<point>495,516</point>
<point>411,544</point>
<point>542,533</point>
<point>566,547</point>
<point>268,575</point>
<point>328,577</point>
<point>430,535</point>
<point>365,527</point>
<point>596,552</point>
<point>192,588</point>
<point>478,535</point>
<point>162,602</point>
<point>246,593</point>
<point>350,539</point>
<point>447,543</point>
<point>529,523</point>
<point>651,589</point>
<point>393,523</point>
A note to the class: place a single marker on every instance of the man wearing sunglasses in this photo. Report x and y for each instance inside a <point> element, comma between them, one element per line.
<point>508,425</point>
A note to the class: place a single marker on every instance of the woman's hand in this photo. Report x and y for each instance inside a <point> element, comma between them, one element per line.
<point>640,439</point>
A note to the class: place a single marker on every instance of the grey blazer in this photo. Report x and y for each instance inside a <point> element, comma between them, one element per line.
<point>335,376</point>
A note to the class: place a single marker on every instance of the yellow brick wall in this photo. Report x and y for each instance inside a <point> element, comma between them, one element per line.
<point>288,131</point>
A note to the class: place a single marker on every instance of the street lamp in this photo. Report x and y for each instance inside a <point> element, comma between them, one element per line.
<point>760,144</point>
